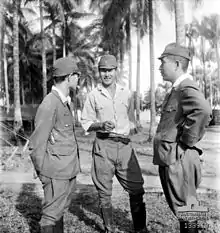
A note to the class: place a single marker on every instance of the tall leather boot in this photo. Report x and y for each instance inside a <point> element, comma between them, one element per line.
<point>138,213</point>
<point>47,229</point>
<point>188,227</point>
<point>59,226</point>
<point>107,219</point>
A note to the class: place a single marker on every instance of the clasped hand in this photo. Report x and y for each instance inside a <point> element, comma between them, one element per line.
<point>108,126</point>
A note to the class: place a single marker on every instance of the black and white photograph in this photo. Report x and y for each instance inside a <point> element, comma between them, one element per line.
<point>109,116</point>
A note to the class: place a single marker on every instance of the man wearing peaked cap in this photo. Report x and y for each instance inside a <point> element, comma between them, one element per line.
<point>107,62</point>
<point>53,146</point>
<point>109,112</point>
<point>176,50</point>
<point>184,116</point>
<point>64,66</point>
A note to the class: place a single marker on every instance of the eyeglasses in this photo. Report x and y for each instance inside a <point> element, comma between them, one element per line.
<point>75,73</point>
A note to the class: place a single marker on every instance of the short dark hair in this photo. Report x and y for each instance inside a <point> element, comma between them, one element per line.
<point>59,79</point>
<point>184,61</point>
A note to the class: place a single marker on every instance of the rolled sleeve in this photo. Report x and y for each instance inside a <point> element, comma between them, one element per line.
<point>88,116</point>
<point>131,115</point>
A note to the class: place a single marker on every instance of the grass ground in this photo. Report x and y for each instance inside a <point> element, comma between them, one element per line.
<point>20,211</point>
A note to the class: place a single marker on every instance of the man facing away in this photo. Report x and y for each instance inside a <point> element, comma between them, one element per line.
<point>185,115</point>
<point>108,111</point>
<point>54,150</point>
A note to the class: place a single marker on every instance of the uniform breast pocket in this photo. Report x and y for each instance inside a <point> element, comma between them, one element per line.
<point>122,107</point>
<point>67,120</point>
<point>100,110</point>
<point>169,113</point>
<point>171,108</point>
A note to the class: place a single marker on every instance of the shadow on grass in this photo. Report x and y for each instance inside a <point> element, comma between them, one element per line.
<point>85,206</point>
<point>84,210</point>
<point>28,203</point>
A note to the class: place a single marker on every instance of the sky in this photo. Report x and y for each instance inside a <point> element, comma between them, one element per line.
<point>165,34</point>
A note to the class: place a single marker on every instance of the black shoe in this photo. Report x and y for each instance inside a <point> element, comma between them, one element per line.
<point>59,226</point>
<point>48,229</point>
<point>142,231</point>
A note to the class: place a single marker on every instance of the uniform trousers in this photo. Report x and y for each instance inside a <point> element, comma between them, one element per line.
<point>57,198</point>
<point>181,179</point>
<point>115,158</point>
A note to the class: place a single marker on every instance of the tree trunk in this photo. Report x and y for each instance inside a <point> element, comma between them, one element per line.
<point>1,37</point>
<point>22,92</point>
<point>210,90</point>
<point>152,83</point>
<point>204,68</point>
<point>138,78</point>
<point>6,80</point>
<point>218,59</point>
<point>128,31</point>
<point>3,66</point>
<point>192,62</point>
<point>138,64</point>
<point>17,105</point>
<point>43,51</point>
<point>64,37</point>
<point>122,53</point>
<point>191,47</point>
<point>54,45</point>
<point>179,20</point>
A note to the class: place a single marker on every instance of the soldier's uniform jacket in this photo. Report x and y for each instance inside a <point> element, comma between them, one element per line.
<point>185,114</point>
<point>53,145</point>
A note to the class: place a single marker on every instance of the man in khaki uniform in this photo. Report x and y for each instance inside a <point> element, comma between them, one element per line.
<point>108,110</point>
<point>54,150</point>
<point>185,115</point>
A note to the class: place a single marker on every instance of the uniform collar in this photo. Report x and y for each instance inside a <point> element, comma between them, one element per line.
<point>180,79</point>
<point>104,91</point>
<point>63,98</point>
<point>100,87</point>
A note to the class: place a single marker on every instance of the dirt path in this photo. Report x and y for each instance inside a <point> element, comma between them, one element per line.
<point>210,167</point>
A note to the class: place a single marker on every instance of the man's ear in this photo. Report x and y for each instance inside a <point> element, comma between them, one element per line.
<point>178,64</point>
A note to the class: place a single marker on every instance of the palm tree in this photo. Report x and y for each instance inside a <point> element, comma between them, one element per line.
<point>207,30</point>
<point>3,69</point>
<point>43,52</point>
<point>212,32</point>
<point>1,30</point>
<point>128,44</point>
<point>52,9</point>
<point>152,89</point>
<point>180,23</point>
<point>17,107</point>
<point>140,5</point>
<point>113,25</point>
<point>178,7</point>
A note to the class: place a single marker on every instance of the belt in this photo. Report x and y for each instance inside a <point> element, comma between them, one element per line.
<point>114,137</point>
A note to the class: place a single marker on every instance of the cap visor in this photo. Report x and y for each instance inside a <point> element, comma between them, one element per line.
<point>107,67</point>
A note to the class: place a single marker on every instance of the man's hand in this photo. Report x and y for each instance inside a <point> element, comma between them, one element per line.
<point>108,126</point>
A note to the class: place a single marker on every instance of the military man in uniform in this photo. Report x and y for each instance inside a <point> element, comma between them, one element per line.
<point>184,117</point>
<point>109,111</point>
<point>54,150</point>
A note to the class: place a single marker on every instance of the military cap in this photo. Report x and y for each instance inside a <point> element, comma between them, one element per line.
<point>177,50</point>
<point>108,62</point>
<point>64,66</point>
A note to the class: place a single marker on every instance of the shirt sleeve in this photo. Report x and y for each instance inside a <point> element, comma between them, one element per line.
<point>197,112</point>
<point>44,122</point>
<point>131,115</point>
<point>88,116</point>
